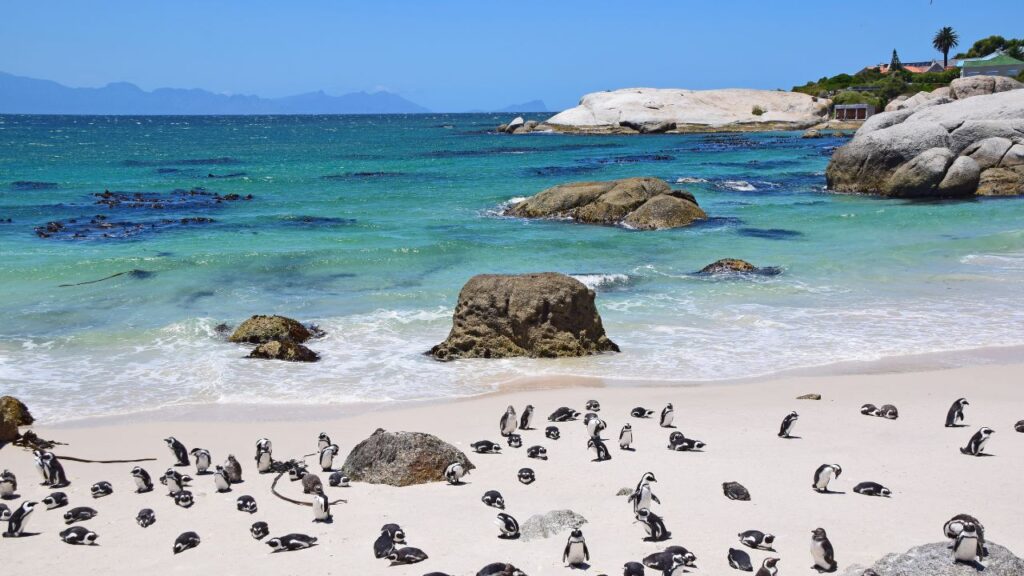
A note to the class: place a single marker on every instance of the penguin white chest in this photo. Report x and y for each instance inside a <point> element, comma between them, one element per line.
<point>824,479</point>
<point>575,555</point>
<point>666,420</point>
<point>966,549</point>
<point>140,483</point>
<point>626,439</point>
<point>818,553</point>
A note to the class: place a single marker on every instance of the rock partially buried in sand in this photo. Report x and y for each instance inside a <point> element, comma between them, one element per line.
<point>13,413</point>
<point>809,397</point>
<point>261,329</point>
<point>284,350</point>
<point>545,315</point>
<point>402,459</point>
<point>550,524</point>
<point>638,203</point>
<point>937,560</point>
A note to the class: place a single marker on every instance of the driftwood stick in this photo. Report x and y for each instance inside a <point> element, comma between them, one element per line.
<point>73,459</point>
<point>273,489</point>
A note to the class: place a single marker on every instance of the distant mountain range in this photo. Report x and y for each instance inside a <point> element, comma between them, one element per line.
<point>20,95</point>
<point>531,106</point>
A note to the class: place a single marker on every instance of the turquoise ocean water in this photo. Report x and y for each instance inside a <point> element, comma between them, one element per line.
<point>369,225</point>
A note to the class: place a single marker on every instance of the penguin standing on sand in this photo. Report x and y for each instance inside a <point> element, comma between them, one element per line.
<point>823,475</point>
<point>642,496</point>
<point>768,567</point>
<point>323,441</point>
<point>174,481</point>
<point>454,473</point>
<point>264,457</point>
<point>55,471</point>
<point>976,445</point>
<point>955,416</point>
<point>968,546</point>
<point>667,415</point>
<point>37,456</point>
<point>626,437</point>
<point>653,525</point>
<point>234,469</point>
<point>321,507</point>
<point>203,460</point>
<point>596,426</point>
<point>19,520</point>
<point>508,526</point>
<point>600,449</point>
<point>143,483</point>
<point>576,552</point>
<point>788,423</point>
<point>508,421</point>
<point>822,552</point>
<point>221,480</point>
<point>8,485</point>
<point>526,420</point>
<point>178,450</point>
<point>327,455</point>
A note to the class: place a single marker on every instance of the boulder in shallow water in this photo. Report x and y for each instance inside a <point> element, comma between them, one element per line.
<point>937,560</point>
<point>402,459</point>
<point>546,315</point>
<point>727,265</point>
<point>672,210</point>
<point>550,524</point>
<point>13,413</point>
<point>261,329</point>
<point>284,350</point>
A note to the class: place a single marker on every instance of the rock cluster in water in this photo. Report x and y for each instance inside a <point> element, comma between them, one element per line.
<point>402,459</point>
<point>638,203</point>
<point>276,337</point>
<point>546,315</point>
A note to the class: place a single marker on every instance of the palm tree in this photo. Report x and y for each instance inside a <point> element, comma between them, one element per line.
<point>945,40</point>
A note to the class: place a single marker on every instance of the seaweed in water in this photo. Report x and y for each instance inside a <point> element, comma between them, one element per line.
<point>100,227</point>
<point>363,175</point>
<point>770,233</point>
<point>25,185</point>
<point>136,274</point>
<point>632,159</point>
<point>231,175</point>
<point>196,197</point>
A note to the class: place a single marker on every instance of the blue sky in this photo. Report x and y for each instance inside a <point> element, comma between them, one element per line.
<point>464,54</point>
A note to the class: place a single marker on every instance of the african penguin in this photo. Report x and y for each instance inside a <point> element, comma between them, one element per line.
<point>407,555</point>
<point>768,567</point>
<point>143,483</point>
<point>54,470</point>
<point>203,460</point>
<point>632,569</point>
<point>246,503</point>
<point>327,455</point>
<point>508,422</point>
<point>641,412</point>
<point>323,441</point>
<point>37,456</point>
<point>563,414</point>
<point>576,552</point>
<point>526,476</point>
<point>8,485</point>
<point>186,541</point>
<point>5,512</point>
<point>823,475</point>
<point>486,447</point>
<point>454,473</point>
<point>626,437</point>
<point>220,479</point>
<point>538,452</point>
<point>259,530</point>
<point>338,479</point>
<point>740,560</point>
<point>955,525</point>
<point>101,489</point>
<point>680,443</point>
<point>264,455</point>
<point>174,481</point>
<point>311,484</point>
<point>552,433</point>
<point>788,423</point>
<point>756,539</point>
<point>178,450</point>
<point>55,500</point>
<point>653,525</point>
<point>595,427</point>
<point>869,410</point>
<point>968,545</point>
<point>955,416</point>
<point>494,499</point>
<point>18,521</point>
<point>507,526</point>
<point>78,535</point>
<point>514,441</point>
<point>321,507</point>
<point>593,405</point>
<point>526,420</point>
<point>642,496</point>
<point>234,469</point>
<point>390,536</point>
<point>822,552</point>
<point>500,569</point>
<point>1019,426</point>
<point>888,411</point>
<point>976,445</point>
<point>872,489</point>
<point>297,471</point>
<point>600,449</point>
<point>667,415</point>
<point>735,491</point>
<point>146,517</point>
<point>184,499</point>
<point>79,514</point>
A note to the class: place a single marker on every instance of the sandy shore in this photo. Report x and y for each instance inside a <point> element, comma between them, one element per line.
<point>915,456</point>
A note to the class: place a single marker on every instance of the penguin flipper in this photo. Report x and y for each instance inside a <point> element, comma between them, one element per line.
<point>655,498</point>
<point>586,552</point>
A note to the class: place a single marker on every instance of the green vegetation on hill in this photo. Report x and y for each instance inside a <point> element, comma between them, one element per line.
<point>1012,47</point>
<point>869,86</point>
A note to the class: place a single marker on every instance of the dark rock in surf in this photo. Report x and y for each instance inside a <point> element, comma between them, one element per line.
<point>284,350</point>
<point>402,459</point>
<point>262,329</point>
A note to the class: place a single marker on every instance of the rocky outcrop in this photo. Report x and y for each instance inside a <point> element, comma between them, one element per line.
<point>982,85</point>
<point>284,350</point>
<point>13,413</point>
<point>937,560</point>
<point>919,153</point>
<point>544,315</point>
<point>518,126</point>
<point>727,266</point>
<point>262,329</point>
<point>402,459</point>
<point>658,110</point>
<point>550,524</point>
<point>639,203</point>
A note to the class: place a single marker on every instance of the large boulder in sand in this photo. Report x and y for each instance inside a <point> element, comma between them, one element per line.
<point>982,85</point>
<point>910,153</point>
<point>640,203</point>
<point>937,560</point>
<point>550,524</point>
<point>402,459</point>
<point>546,315</point>
<point>284,350</point>
<point>261,329</point>
<point>13,413</point>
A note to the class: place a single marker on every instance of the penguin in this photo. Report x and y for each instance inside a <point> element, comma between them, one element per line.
<point>297,471</point>
<point>79,514</point>
<point>1019,426</point>
<point>976,446</point>
<point>552,433</point>
<point>321,508</point>
<point>101,489</point>
<point>203,460</point>
<point>323,441</point>
<point>494,499</point>
<point>407,555</point>
<point>688,558</point>
<point>564,414</point>
<point>756,539</point>
<point>955,525</point>
<point>185,541</point>
<point>593,405</point>
<point>143,483</point>
<point>514,441</point>
<point>5,512</point>
<point>740,560</point>
<point>632,569</point>
<point>8,485</point>
<point>526,420</point>
<point>869,410</point>
<point>184,499</point>
<point>338,479</point>
<point>264,456</point>
<point>788,423</point>
<point>390,536</point>
<point>78,535</point>
<point>18,521</point>
<point>500,569</point>
<point>735,491</point>
<point>234,469</point>
<point>37,456</point>
<point>667,415</point>
<point>146,517</point>
<point>454,473</point>
<point>508,527</point>
<point>55,500</point>
<point>663,561</point>
<point>955,416</point>
<point>246,503</point>
<point>680,443</point>
<point>486,447</point>
<point>537,452</point>
<point>178,450</point>
<point>311,484</point>
<point>888,411</point>
<point>174,481</point>
<point>55,471</point>
<point>642,496</point>
<point>595,427</point>
<point>653,525</point>
<point>968,545</point>
<point>823,475</point>
<point>768,567</point>
<point>600,449</point>
<point>509,421</point>
<point>576,552</point>
<point>872,489</point>
<point>588,417</point>
<point>327,455</point>
<point>526,476</point>
<point>822,552</point>
<point>259,530</point>
<point>641,412</point>
<point>626,437</point>
<point>220,480</point>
